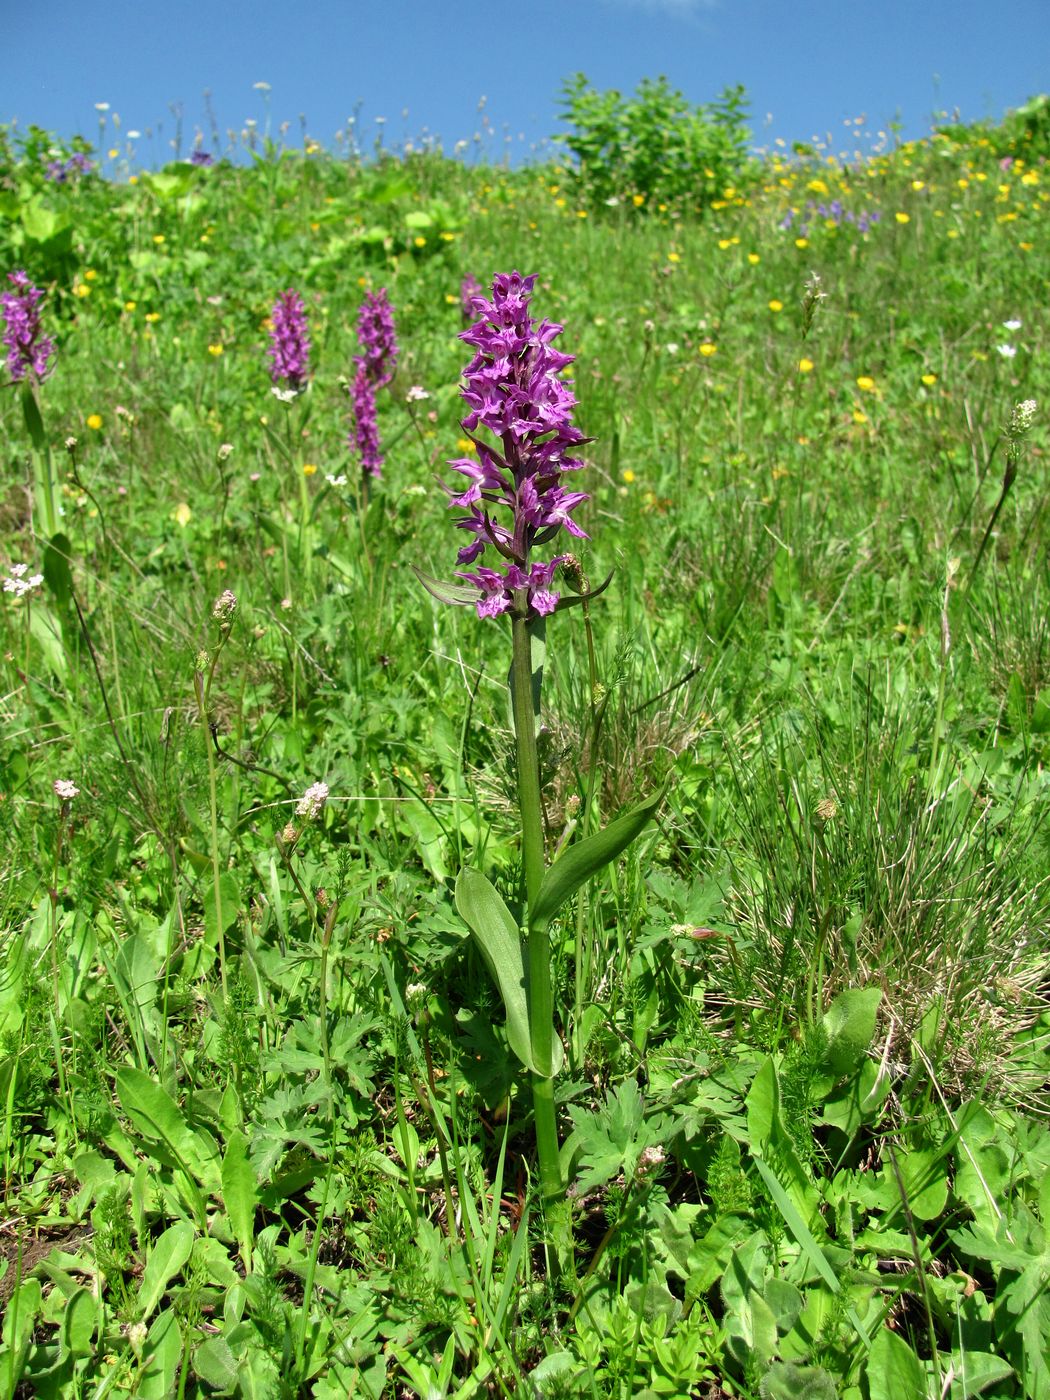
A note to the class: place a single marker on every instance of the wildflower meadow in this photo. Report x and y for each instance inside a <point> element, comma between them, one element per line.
<point>524,754</point>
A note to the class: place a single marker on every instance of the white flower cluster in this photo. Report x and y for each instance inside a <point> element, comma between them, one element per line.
<point>311,804</point>
<point>17,582</point>
<point>1022,418</point>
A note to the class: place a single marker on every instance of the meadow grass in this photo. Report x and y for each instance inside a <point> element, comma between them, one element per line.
<point>261,1129</point>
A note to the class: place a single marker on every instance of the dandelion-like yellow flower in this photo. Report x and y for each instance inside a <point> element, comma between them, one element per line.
<point>865,382</point>
<point>859,416</point>
<point>801,242</point>
<point>152,317</point>
<point>674,257</point>
<point>465,445</point>
<point>447,237</point>
<point>419,241</point>
<point>159,238</point>
<point>638,200</point>
<point>130,305</point>
<point>805,366</point>
<point>776,306</point>
<point>753,259</point>
<point>82,289</point>
<point>901,217</point>
<point>929,379</point>
<point>708,349</point>
<point>309,468</point>
<point>628,476</point>
<point>90,275</point>
<point>725,243</point>
<point>94,421</point>
<point>215,349</point>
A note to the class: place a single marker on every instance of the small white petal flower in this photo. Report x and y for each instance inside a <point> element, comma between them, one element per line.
<point>416,394</point>
<point>65,790</point>
<point>335,480</point>
<point>1007,351</point>
<point>311,804</point>
<point>1012,325</point>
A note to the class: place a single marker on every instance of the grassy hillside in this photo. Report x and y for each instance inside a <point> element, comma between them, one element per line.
<point>263,1131</point>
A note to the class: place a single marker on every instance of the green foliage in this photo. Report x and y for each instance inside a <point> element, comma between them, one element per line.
<point>655,145</point>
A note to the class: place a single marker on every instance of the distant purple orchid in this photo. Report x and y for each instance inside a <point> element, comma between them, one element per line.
<point>514,390</point>
<point>201,158</point>
<point>289,344</point>
<point>375,331</point>
<point>59,171</point>
<point>469,288</point>
<point>366,428</point>
<point>28,350</point>
<point>375,368</point>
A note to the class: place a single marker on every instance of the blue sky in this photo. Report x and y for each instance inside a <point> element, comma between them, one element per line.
<point>808,65</point>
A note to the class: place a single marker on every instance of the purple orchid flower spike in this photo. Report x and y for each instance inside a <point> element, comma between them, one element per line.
<point>28,349</point>
<point>514,392</point>
<point>289,344</point>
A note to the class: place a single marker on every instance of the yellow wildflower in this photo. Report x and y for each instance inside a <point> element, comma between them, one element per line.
<point>805,366</point>
<point>94,421</point>
<point>775,305</point>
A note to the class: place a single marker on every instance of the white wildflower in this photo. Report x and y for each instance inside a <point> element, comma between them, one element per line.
<point>1012,326</point>
<point>311,804</point>
<point>416,394</point>
<point>1007,351</point>
<point>65,790</point>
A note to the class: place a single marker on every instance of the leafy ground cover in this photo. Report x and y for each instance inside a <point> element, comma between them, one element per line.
<point>262,1129</point>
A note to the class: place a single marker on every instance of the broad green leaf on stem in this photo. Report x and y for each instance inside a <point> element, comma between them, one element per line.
<point>162,1350</point>
<point>33,419</point>
<point>155,1114</point>
<point>78,1323</point>
<point>894,1371</point>
<point>57,574</point>
<point>23,1308</point>
<point>849,1024</point>
<point>166,1258</point>
<point>240,1192</point>
<point>587,857</point>
<point>492,924</point>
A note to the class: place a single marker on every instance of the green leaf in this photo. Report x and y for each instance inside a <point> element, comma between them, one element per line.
<point>786,1381</point>
<point>240,1192</point>
<point>492,924</point>
<point>588,856</point>
<point>165,1260</point>
<point>57,574</point>
<point>78,1323</point>
<point>894,1371</point>
<point>849,1024</point>
<point>162,1351</point>
<point>155,1114</point>
<point>216,1365</point>
<point>977,1370</point>
<point>31,413</point>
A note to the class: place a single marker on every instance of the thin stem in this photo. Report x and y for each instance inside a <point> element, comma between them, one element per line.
<point>540,999</point>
